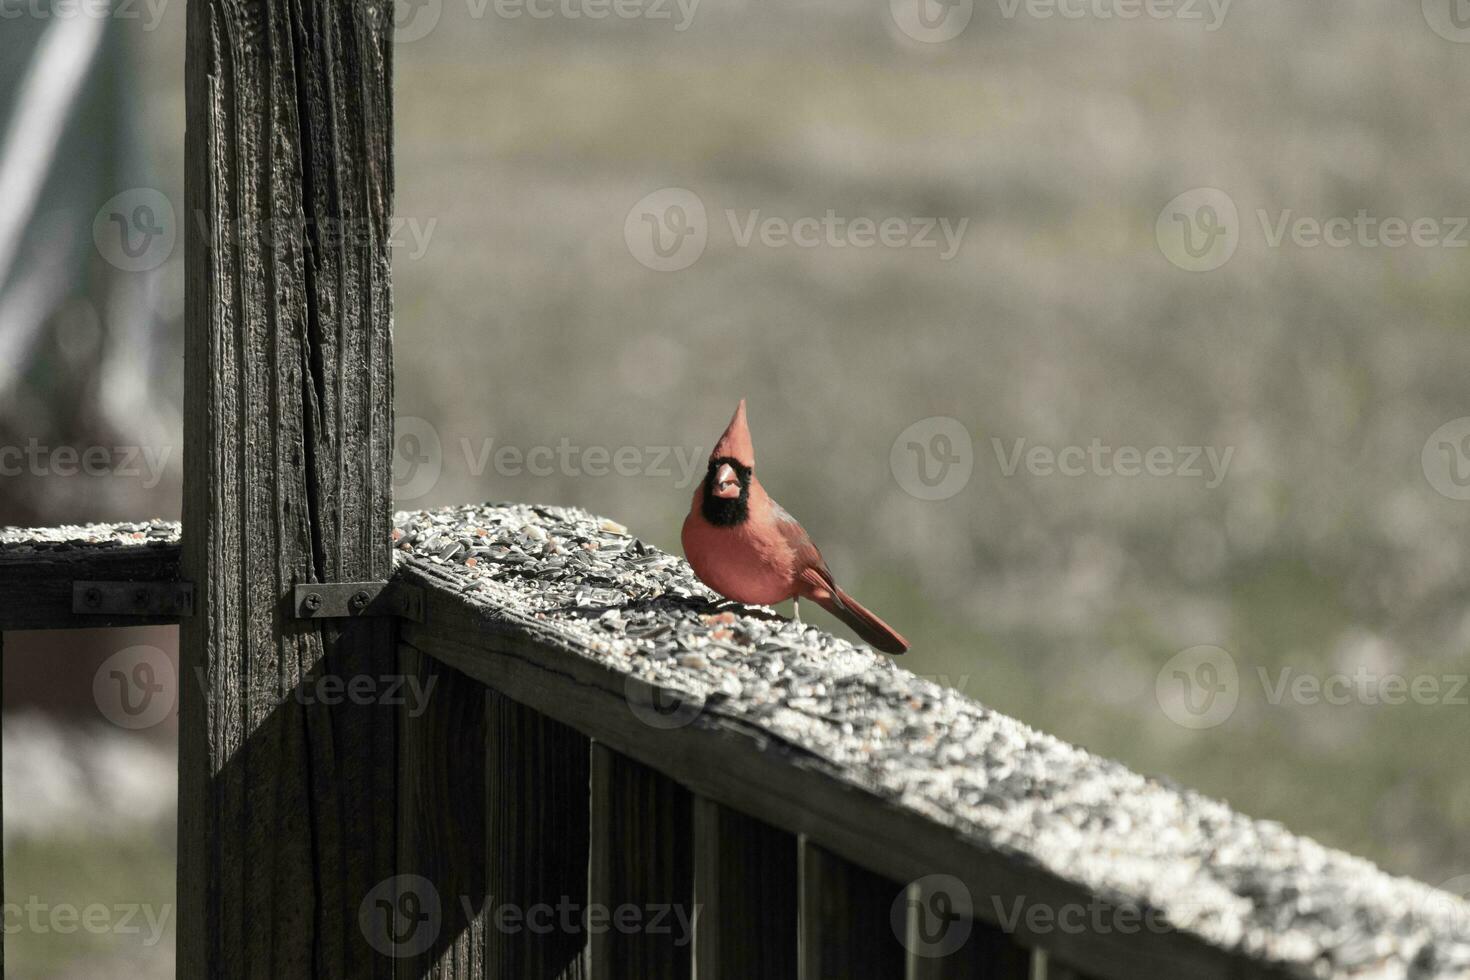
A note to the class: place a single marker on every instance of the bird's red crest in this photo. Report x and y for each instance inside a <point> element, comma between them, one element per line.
<point>735,443</point>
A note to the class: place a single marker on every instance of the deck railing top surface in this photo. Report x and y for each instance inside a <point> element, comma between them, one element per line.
<point>18,541</point>
<point>573,581</point>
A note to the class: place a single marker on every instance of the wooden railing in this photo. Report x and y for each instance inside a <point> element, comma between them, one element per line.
<point>602,772</point>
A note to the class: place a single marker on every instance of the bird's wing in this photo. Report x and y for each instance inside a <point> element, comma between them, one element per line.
<point>808,559</point>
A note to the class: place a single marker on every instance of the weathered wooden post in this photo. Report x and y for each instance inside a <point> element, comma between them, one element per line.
<point>286,769</point>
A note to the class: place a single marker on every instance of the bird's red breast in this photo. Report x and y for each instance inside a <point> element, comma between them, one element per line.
<point>746,547</point>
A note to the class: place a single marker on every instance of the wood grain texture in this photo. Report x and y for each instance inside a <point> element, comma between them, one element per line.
<point>846,920</point>
<point>641,880</point>
<point>39,565</point>
<point>745,887</point>
<point>944,944</point>
<point>441,819</point>
<point>1057,970</point>
<point>287,798</point>
<point>537,825</point>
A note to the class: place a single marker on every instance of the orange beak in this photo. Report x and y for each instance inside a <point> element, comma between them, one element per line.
<point>727,484</point>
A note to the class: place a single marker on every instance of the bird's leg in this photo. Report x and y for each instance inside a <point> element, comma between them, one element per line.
<point>796,608</point>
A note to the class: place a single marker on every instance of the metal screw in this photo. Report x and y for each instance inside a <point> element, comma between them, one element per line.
<point>313,601</point>
<point>359,600</point>
<point>93,597</point>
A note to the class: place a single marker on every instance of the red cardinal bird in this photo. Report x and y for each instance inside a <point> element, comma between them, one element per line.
<point>743,545</point>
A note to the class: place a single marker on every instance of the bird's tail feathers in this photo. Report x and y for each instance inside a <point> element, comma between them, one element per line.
<point>873,630</point>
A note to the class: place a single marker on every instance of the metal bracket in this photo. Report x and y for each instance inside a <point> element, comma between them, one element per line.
<point>132,598</point>
<point>344,600</point>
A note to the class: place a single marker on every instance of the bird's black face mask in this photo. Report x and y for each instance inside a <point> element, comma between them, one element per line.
<point>722,505</point>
